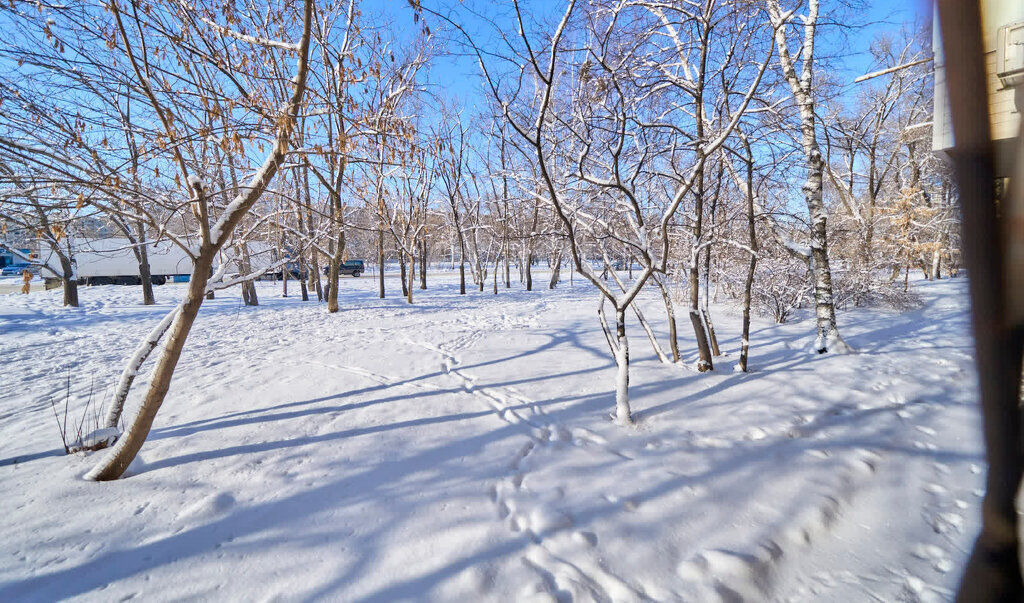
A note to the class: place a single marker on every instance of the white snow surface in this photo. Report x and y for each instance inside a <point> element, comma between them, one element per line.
<point>461,449</point>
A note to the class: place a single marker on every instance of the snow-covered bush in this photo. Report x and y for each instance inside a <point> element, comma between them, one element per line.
<point>855,287</point>
<point>781,284</point>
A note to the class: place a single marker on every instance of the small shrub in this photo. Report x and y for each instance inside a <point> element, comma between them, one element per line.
<point>75,436</point>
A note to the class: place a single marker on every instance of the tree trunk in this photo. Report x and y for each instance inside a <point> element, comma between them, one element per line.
<point>508,279</point>
<point>704,350</point>
<point>302,281</point>
<point>705,312</point>
<point>623,416</point>
<point>704,362</point>
<point>209,275</point>
<point>313,277</point>
<point>248,287</point>
<point>423,261</point>
<point>402,270</point>
<point>116,405</point>
<point>555,269</point>
<point>69,281</point>
<point>285,273</point>
<point>529,272</point>
<point>752,241</point>
<point>129,444</point>
<point>251,299</point>
<point>906,272</point>
<point>828,339</point>
<point>745,340</point>
<point>334,276</point>
<point>380,261</point>
<point>712,339</point>
<point>462,269</point>
<point>145,278</point>
<point>317,283</point>
<point>412,276</point>
<point>650,334</point>
<point>673,334</point>
<point>145,275</point>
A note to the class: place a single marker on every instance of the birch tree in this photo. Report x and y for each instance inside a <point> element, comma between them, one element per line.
<point>801,85</point>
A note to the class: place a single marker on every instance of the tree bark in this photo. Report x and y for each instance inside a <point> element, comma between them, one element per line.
<point>285,274</point>
<point>423,260</point>
<point>462,276</point>
<point>828,339</point>
<point>145,275</point>
<point>209,273</point>
<point>673,333</point>
<point>124,451</point>
<point>745,339</point>
<point>334,276</point>
<point>302,281</point>
<point>508,278</point>
<point>752,241</point>
<point>116,405</point>
<point>704,351</point>
<point>129,444</point>
<point>402,270</point>
<point>529,272</point>
<point>623,415</point>
<point>380,261</point>
<point>555,269</point>
<point>248,287</point>
<point>69,281</point>
<point>712,339</point>
<point>704,362</point>
<point>412,276</point>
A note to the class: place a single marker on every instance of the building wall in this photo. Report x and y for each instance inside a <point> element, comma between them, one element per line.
<point>1004,114</point>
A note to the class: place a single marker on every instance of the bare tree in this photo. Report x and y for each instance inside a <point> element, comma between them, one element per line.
<point>802,87</point>
<point>214,233</point>
<point>601,196</point>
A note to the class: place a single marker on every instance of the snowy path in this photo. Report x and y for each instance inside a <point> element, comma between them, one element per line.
<point>459,449</point>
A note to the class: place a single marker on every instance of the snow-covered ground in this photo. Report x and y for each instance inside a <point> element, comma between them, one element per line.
<point>460,449</point>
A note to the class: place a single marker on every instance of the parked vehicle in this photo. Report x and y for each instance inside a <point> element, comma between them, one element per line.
<point>112,261</point>
<point>353,267</point>
<point>294,270</point>
<point>8,257</point>
<point>17,269</point>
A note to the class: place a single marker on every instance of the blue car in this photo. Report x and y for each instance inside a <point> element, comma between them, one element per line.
<point>17,269</point>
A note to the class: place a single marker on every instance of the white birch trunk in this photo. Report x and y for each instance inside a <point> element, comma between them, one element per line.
<point>623,416</point>
<point>827,339</point>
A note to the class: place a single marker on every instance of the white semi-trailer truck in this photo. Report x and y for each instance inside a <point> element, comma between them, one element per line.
<point>112,261</point>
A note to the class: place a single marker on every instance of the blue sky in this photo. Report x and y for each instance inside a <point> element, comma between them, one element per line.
<point>882,16</point>
<point>460,76</point>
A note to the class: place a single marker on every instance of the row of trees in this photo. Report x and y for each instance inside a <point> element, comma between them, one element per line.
<point>699,143</point>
